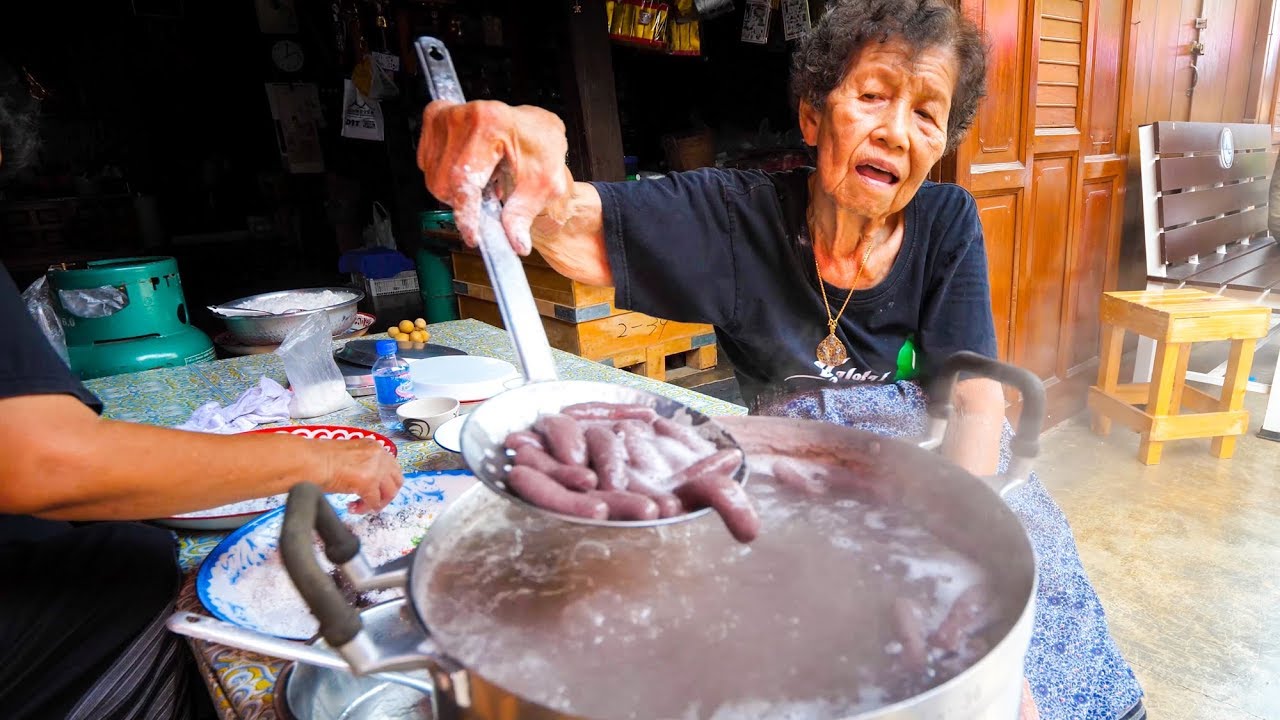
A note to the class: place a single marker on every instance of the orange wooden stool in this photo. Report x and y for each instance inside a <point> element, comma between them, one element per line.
<point>1175,319</point>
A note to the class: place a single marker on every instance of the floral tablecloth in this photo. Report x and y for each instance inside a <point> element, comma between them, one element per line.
<point>242,684</point>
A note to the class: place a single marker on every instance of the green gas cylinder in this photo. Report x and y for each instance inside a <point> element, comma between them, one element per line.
<point>126,315</point>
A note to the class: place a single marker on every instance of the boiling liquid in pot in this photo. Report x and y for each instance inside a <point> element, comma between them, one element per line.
<point>683,622</point>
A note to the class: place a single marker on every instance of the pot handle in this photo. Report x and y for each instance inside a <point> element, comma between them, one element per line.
<point>306,514</point>
<point>1025,445</point>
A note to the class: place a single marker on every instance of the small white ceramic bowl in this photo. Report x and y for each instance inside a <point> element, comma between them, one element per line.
<point>422,417</point>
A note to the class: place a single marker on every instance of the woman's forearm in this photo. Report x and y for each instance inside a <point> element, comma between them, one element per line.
<point>62,461</point>
<point>570,237</point>
<point>973,438</point>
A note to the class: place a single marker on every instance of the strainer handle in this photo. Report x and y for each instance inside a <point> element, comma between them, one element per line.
<point>506,272</point>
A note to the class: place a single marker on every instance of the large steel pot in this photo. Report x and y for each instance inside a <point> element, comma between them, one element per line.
<point>950,502</point>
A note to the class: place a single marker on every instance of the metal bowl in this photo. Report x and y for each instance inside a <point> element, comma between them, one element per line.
<point>271,329</point>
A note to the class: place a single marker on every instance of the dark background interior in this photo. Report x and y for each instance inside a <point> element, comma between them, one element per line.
<point>164,100</point>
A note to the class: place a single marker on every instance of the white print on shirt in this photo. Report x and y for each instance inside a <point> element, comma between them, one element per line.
<point>831,374</point>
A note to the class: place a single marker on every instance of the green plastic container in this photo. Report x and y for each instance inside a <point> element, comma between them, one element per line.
<point>435,282</point>
<point>152,330</point>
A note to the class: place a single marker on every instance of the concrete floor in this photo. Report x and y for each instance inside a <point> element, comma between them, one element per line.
<point>1186,558</point>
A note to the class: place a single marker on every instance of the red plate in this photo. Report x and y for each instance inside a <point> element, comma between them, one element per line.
<point>330,432</point>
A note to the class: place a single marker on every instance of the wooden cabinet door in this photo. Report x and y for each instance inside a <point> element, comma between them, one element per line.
<point>1046,162</point>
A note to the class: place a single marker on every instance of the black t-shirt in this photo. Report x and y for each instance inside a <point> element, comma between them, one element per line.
<point>732,249</point>
<point>28,363</point>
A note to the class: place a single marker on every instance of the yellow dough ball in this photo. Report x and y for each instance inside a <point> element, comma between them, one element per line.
<point>406,326</point>
<point>420,324</point>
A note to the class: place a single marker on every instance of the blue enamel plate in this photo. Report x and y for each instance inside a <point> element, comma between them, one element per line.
<point>243,581</point>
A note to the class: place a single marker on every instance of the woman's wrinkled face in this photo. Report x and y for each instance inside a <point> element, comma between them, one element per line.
<point>883,127</point>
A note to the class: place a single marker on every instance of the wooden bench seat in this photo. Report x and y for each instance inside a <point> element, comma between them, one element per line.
<point>1254,268</point>
<point>1205,189</point>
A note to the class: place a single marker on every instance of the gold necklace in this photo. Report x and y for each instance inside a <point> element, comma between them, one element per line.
<point>831,352</point>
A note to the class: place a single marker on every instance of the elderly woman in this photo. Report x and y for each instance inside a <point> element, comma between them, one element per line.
<point>824,283</point>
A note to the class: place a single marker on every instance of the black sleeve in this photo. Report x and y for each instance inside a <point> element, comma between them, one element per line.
<point>670,245</point>
<point>956,312</point>
<point>28,364</point>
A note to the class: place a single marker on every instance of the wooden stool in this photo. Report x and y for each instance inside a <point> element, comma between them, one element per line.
<point>1175,319</point>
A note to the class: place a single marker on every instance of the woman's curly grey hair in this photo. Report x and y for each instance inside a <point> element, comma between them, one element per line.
<point>19,115</point>
<point>824,55</point>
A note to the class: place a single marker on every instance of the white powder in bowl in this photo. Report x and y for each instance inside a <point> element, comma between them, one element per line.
<point>268,598</point>
<point>308,301</point>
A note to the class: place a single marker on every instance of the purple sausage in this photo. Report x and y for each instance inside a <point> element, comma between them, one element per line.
<point>517,440</point>
<point>627,505</point>
<point>609,411</point>
<point>685,434</point>
<point>969,615</point>
<point>668,505</point>
<point>633,427</point>
<point>789,475</point>
<point>539,489</point>
<point>573,477</point>
<point>564,440</point>
<point>725,462</point>
<point>908,619</point>
<point>608,457</point>
<point>643,456</point>
<point>728,498</point>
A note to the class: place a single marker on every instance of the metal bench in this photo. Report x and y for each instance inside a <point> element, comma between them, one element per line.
<point>1204,208</point>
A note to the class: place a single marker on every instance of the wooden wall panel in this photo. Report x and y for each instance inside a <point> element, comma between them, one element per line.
<point>998,129</point>
<point>1228,60</point>
<point>999,215</point>
<point>1046,163</point>
<point>1041,265</point>
<point>1104,89</point>
<point>1097,228</point>
<point>1237,64</point>
<point>1058,85</point>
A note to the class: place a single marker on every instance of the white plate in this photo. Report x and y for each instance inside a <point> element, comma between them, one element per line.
<point>467,378</point>
<point>243,581</point>
<point>449,435</point>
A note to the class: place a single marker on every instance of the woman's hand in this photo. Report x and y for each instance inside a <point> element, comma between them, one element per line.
<point>1027,710</point>
<point>461,147</point>
<point>362,467</point>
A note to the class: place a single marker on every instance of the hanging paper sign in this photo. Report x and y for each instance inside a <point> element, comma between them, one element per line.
<point>795,19</point>
<point>755,22</point>
<point>296,112</point>
<point>361,117</point>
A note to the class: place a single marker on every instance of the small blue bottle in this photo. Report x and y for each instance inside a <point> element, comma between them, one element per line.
<point>391,382</point>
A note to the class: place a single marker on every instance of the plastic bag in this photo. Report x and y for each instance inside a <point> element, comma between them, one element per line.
<point>96,302</point>
<point>317,384</point>
<point>383,237</point>
<point>40,306</point>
